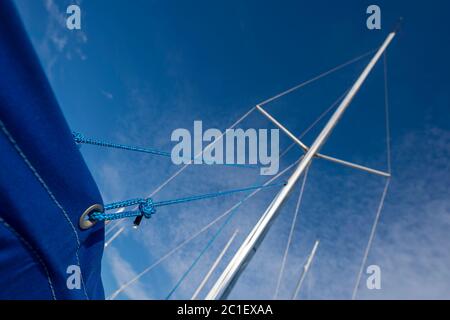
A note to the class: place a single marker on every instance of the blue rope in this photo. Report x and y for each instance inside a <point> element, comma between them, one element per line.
<point>208,245</point>
<point>147,207</point>
<point>123,204</point>
<point>80,139</point>
<point>214,194</point>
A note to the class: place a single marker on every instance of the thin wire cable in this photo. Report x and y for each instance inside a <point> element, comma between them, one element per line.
<point>208,245</point>
<point>372,235</point>
<point>200,153</point>
<point>386,108</point>
<point>261,104</point>
<point>179,171</point>
<point>112,227</point>
<point>291,233</point>
<point>114,236</point>
<point>164,257</point>
<point>214,265</point>
<point>321,116</point>
<point>160,260</point>
<point>381,204</point>
<point>251,195</point>
<point>330,71</point>
<point>324,74</point>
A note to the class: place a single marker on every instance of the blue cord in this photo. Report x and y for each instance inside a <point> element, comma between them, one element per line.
<point>80,139</point>
<point>147,207</point>
<point>208,245</point>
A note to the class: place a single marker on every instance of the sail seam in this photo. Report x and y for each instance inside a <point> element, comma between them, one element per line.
<point>49,192</point>
<point>34,252</point>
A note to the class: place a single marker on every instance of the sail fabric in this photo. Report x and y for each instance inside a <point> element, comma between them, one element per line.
<point>44,184</point>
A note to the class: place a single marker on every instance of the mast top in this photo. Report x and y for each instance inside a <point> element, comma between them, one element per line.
<point>398,25</point>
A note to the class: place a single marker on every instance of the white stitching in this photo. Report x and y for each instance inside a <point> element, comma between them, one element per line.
<point>36,174</point>
<point>8,226</point>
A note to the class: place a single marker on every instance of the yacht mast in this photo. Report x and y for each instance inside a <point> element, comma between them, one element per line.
<point>305,269</point>
<point>236,266</point>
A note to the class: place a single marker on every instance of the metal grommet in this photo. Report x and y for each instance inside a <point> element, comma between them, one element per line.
<point>84,222</point>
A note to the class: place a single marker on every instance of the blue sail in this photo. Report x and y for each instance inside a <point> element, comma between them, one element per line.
<point>44,184</point>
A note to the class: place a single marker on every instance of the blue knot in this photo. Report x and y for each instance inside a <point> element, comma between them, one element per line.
<point>97,216</point>
<point>147,208</point>
<point>78,137</point>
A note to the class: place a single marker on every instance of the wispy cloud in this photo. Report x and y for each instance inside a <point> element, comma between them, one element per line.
<point>107,95</point>
<point>338,208</point>
<point>58,42</point>
<point>410,244</point>
<point>122,272</point>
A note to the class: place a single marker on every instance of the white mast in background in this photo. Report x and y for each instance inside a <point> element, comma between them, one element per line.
<point>214,266</point>
<point>305,269</point>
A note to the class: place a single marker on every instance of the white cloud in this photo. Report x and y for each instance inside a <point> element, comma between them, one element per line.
<point>57,40</point>
<point>107,95</point>
<point>412,244</point>
<point>123,272</point>
<point>338,208</point>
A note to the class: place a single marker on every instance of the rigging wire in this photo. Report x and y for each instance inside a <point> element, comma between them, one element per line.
<point>200,153</point>
<point>372,235</point>
<point>386,187</point>
<point>182,244</point>
<point>200,255</point>
<point>324,74</point>
<point>114,236</point>
<point>242,118</point>
<point>112,227</point>
<point>302,190</point>
<point>386,112</point>
<point>214,265</point>
<point>167,255</point>
<point>321,116</point>
<point>291,233</point>
<point>245,115</point>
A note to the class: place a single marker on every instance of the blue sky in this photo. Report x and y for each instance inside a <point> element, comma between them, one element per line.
<point>138,70</point>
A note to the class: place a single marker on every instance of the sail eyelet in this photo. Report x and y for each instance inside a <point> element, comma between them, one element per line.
<point>84,222</point>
